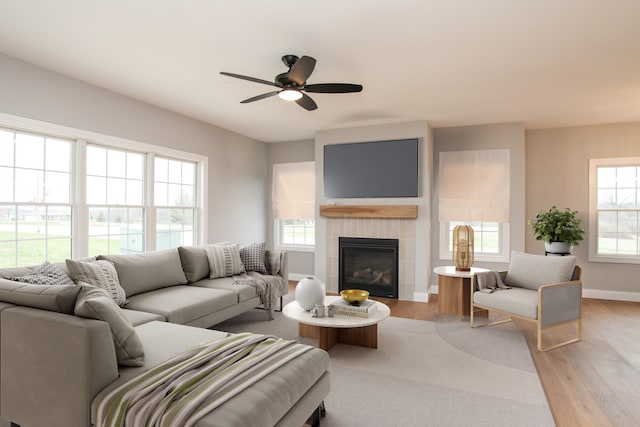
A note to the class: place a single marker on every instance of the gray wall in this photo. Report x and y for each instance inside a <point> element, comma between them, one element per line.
<point>238,172</point>
<point>300,263</point>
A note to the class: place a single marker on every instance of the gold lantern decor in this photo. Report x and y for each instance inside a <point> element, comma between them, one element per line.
<point>463,247</point>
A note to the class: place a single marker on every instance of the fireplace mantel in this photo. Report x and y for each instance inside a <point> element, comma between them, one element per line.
<point>370,211</point>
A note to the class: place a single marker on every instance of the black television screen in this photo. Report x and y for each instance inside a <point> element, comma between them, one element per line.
<point>371,169</point>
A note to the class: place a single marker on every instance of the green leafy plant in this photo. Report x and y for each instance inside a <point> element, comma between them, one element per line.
<point>557,226</point>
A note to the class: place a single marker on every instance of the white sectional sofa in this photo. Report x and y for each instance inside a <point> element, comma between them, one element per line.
<point>57,366</point>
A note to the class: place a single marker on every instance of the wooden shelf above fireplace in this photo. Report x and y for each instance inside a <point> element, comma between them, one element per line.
<point>370,211</point>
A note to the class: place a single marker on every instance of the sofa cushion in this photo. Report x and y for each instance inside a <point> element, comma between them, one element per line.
<point>224,260</point>
<point>183,304</point>
<point>53,298</point>
<point>532,271</point>
<point>252,257</point>
<point>96,303</point>
<point>148,271</point>
<point>141,317</point>
<point>195,263</point>
<point>243,292</point>
<point>101,274</point>
<point>45,274</point>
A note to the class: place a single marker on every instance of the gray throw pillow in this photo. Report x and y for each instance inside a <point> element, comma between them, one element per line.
<point>45,274</point>
<point>224,260</point>
<point>101,274</point>
<point>96,303</point>
<point>252,257</point>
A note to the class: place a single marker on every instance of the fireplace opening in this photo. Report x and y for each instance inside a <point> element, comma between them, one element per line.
<point>368,264</point>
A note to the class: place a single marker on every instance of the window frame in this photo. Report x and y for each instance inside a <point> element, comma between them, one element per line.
<point>593,227</point>
<point>278,235</point>
<point>79,208</point>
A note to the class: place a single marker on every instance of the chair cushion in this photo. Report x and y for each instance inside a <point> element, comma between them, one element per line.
<point>532,271</point>
<point>148,271</point>
<point>519,301</point>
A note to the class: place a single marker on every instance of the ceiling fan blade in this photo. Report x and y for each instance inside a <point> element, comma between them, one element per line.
<point>301,70</point>
<point>333,88</point>
<point>307,103</point>
<point>251,79</point>
<point>259,97</point>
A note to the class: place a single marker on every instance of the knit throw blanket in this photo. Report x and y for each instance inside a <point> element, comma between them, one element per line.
<point>268,287</point>
<point>490,281</point>
<point>182,390</point>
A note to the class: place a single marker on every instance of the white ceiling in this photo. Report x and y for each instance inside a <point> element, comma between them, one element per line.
<point>547,63</point>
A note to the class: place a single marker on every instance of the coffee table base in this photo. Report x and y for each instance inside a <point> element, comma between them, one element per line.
<point>363,336</point>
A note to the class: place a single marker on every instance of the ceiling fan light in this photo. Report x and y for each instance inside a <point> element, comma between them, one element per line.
<point>290,94</point>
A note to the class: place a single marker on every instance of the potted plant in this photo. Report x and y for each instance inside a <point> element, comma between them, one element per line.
<point>560,230</point>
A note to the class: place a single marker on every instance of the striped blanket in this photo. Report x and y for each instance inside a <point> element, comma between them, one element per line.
<point>187,387</point>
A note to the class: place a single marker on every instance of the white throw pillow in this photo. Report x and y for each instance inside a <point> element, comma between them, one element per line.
<point>224,260</point>
<point>101,274</point>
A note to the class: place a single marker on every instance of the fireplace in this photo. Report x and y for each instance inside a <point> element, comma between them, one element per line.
<point>369,264</point>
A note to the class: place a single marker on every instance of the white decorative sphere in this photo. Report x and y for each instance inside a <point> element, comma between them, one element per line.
<point>309,292</point>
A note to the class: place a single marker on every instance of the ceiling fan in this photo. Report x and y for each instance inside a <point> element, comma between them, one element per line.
<point>292,84</point>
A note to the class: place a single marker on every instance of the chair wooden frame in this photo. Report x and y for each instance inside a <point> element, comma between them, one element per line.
<point>540,320</point>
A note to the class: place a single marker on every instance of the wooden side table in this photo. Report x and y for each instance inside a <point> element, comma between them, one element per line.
<point>454,290</point>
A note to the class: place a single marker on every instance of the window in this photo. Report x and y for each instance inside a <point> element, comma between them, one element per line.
<point>35,198</point>
<point>115,198</point>
<point>293,197</point>
<point>174,199</point>
<point>614,210</point>
<point>63,197</point>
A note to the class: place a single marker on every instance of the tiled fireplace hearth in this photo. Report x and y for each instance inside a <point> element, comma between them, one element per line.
<point>401,229</point>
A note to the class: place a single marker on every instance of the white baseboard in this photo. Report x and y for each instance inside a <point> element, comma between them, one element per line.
<point>611,295</point>
<point>421,296</point>
<point>296,277</point>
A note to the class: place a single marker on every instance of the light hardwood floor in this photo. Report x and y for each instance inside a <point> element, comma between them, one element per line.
<point>595,382</point>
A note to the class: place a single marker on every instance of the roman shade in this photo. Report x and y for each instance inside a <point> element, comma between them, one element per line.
<point>474,186</point>
<point>294,189</point>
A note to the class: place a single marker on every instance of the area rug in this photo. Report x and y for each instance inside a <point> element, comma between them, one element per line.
<point>425,374</point>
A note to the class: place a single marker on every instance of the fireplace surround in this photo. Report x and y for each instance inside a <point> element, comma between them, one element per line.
<point>370,264</point>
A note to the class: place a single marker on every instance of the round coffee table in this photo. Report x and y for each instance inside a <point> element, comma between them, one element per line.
<point>330,331</point>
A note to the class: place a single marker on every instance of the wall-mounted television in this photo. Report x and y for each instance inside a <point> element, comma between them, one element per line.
<point>371,169</point>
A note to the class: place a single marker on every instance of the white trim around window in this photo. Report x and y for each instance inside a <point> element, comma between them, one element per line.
<point>82,138</point>
<point>621,231</point>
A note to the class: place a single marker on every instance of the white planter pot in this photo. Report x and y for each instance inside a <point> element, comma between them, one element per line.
<point>309,292</point>
<point>558,247</point>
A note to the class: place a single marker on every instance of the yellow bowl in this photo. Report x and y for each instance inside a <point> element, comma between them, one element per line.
<point>354,296</point>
